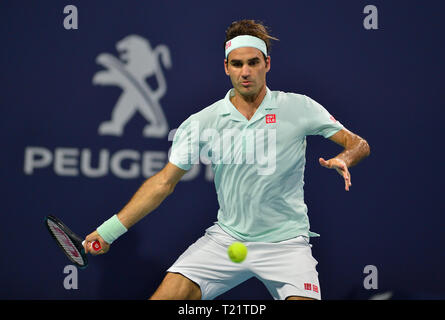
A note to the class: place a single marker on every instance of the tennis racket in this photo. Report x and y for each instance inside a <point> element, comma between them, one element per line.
<point>70,243</point>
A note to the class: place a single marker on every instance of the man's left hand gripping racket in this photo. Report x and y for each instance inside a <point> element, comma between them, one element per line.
<point>70,243</point>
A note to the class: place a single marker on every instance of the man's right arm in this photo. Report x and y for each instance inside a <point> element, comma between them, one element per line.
<point>150,195</point>
<point>146,199</point>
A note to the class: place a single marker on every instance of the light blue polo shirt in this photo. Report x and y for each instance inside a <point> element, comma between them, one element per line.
<point>258,164</point>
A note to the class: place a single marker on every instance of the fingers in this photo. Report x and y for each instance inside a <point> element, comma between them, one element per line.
<point>348,183</point>
<point>341,167</point>
<point>91,250</point>
<point>324,163</point>
<point>88,244</point>
<point>347,177</point>
<point>104,247</point>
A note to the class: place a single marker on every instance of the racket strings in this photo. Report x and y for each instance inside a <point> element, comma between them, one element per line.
<point>65,242</point>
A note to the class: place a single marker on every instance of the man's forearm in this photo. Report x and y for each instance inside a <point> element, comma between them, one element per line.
<point>355,151</point>
<point>148,197</point>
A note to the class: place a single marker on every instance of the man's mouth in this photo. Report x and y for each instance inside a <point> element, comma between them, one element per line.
<point>246,83</point>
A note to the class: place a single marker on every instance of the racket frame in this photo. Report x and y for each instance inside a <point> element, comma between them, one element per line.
<point>75,239</point>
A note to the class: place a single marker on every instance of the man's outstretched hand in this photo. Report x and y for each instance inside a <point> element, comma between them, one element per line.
<point>340,166</point>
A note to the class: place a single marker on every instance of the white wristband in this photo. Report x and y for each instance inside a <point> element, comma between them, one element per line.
<point>111,229</point>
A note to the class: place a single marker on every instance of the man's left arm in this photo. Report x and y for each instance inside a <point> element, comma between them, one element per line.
<point>356,149</point>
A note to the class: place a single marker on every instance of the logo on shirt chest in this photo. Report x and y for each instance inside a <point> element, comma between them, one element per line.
<point>271,118</point>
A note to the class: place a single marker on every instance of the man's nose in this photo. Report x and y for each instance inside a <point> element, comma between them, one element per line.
<point>245,71</point>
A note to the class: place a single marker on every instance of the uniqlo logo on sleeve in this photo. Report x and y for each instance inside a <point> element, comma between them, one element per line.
<point>315,288</point>
<point>307,286</point>
<point>270,118</point>
<point>333,119</point>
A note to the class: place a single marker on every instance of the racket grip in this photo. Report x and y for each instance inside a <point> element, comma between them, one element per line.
<point>96,245</point>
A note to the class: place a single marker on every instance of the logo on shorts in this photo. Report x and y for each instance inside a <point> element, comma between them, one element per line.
<point>271,118</point>
<point>311,287</point>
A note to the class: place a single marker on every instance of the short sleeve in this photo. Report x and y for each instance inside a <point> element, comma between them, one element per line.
<point>185,147</point>
<point>319,121</point>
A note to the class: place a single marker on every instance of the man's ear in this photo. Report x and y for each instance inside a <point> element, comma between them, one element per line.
<point>226,69</point>
<point>267,63</point>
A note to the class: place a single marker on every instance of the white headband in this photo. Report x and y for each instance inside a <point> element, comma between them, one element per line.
<point>245,41</point>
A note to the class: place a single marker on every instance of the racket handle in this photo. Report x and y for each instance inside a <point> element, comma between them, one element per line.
<point>96,245</point>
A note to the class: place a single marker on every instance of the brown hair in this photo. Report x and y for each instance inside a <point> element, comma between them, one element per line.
<point>251,28</point>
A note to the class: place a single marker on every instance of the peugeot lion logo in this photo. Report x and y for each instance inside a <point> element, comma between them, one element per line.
<point>132,71</point>
<point>137,62</point>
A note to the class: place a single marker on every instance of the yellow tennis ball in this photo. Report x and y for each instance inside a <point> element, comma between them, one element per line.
<point>237,252</point>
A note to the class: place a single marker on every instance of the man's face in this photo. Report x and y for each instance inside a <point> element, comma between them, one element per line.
<point>247,70</point>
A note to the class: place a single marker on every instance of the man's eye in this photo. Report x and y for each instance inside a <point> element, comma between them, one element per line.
<point>252,63</point>
<point>236,64</point>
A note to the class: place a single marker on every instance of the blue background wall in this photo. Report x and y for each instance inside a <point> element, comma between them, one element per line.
<point>386,85</point>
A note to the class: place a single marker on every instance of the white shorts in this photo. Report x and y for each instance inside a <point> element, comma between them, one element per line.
<point>286,268</point>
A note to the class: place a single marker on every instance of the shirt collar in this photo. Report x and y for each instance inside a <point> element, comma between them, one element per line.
<point>227,108</point>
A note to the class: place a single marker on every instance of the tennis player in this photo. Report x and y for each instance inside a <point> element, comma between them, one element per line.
<point>255,139</point>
